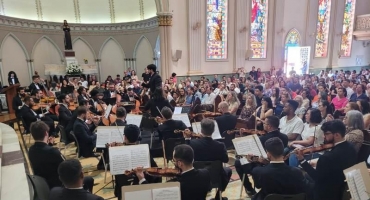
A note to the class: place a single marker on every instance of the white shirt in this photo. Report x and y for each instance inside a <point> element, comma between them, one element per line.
<point>216,91</point>
<point>169,97</point>
<point>295,125</point>
<point>237,90</point>
<point>209,98</point>
<point>84,84</point>
<point>311,132</point>
<point>349,92</point>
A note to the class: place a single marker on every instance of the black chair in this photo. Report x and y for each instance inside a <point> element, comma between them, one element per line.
<point>41,189</point>
<point>148,124</point>
<point>215,169</point>
<point>77,144</point>
<point>63,139</point>
<point>26,131</point>
<point>301,196</point>
<point>168,147</point>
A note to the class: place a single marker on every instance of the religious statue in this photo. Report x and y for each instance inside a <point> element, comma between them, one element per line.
<point>67,36</point>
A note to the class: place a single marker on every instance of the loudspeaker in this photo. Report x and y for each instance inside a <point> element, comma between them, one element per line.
<point>178,55</point>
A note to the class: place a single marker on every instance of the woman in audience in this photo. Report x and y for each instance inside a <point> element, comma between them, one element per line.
<point>364,106</point>
<point>275,96</point>
<point>134,75</point>
<point>306,102</point>
<point>249,108</point>
<point>279,107</point>
<point>182,97</point>
<point>265,110</point>
<point>326,111</point>
<point>301,110</point>
<point>355,124</point>
<point>351,106</point>
<point>233,102</point>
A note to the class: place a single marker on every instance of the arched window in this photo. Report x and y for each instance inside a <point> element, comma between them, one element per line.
<point>259,19</point>
<point>322,29</point>
<point>293,39</point>
<point>216,36</point>
<point>347,31</point>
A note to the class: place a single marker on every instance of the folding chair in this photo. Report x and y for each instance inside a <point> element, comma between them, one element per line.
<point>41,189</point>
<point>26,131</point>
<point>301,196</point>
<point>168,147</point>
<point>215,171</point>
<point>78,145</point>
<point>63,139</point>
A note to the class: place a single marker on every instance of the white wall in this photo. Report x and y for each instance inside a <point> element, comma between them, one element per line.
<point>144,55</point>
<point>112,59</point>
<point>83,51</point>
<point>14,59</point>
<point>45,52</point>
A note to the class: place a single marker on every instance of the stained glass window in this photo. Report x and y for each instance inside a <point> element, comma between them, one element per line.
<point>216,29</point>
<point>348,21</point>
<point>259,18</point>
<point>293,38</point>
<point>322,29</point>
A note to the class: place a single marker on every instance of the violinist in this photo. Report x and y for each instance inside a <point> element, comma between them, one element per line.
<point>44,106</point>
<point>121,117</point>
<point>194,183</point>
<point>167,128</point>
<point>96,102</point>
<point>131,137</point>
<point>328,175</point>
<point>65,115</point>
<point>82,95</point>
<point>18,102</point>
<point>226,122</point>
<point>35,85</point>
<point>270,125</point>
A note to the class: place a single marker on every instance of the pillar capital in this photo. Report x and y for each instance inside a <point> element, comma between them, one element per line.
<point>164,19</point>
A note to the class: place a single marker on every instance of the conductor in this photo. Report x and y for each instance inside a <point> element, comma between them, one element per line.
<point>155,80</point>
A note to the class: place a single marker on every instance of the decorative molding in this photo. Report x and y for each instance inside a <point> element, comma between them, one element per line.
<point>39,10</point>
<point>112,12</point>
<point>362,22</point>
<point>2,9</point>
<point>141,4</point>
<point>164,19</point>
<point>76,5</point>
<point>33,26</point>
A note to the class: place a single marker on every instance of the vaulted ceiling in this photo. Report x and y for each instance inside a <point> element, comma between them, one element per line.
<point>80,11</point>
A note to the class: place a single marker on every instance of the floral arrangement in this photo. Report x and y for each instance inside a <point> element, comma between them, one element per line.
<point>73,69</point>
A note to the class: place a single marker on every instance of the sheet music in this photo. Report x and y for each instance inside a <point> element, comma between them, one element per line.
<point>177,110</point>
<point>216,134</point>
<point>103,137</point>
<point>170,193</point>
<point>138,195</point>
<point>107,111</point>
<point>117,136</point>
<point>197,129</point>
<point>356,185</point>
<point>243,161</point>
<point>128,157</point>
<point>109,134</point>
<point>246,145</point>
<point>182,117</point>
<point>260,146</point>
<point>134,119</point>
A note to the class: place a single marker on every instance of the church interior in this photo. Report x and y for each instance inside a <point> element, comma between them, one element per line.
<point>51,45</point>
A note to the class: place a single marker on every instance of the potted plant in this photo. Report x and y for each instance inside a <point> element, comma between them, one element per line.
<point>74,69</point>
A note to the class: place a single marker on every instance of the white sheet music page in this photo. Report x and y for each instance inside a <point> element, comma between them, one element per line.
<point>171,193</point>
<point>177,111</point>
<point>117,135</point>
<point>246,145</point>
<point>128,157</point>
<point>107,111</point>
<point>260,146</point>
<point>139,195</point>
<point>356,185</point>
<point>182,117</point>
<point>196,127</point>
<point>134,119</point>
<point>103,137</point>
<point>216,134</point>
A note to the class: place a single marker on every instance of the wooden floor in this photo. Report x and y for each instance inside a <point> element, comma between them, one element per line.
<point>7,118</point>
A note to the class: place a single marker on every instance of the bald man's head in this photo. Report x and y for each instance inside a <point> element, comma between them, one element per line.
<point>223,107</point>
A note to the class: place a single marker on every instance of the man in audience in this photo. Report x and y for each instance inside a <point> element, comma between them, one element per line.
<point>207,149</point>
<point>277,177</point>
<point>226,122</point>
<point>71,174</point>
<point>360,94</point>
<point>209,97</point>
<point>194,183</point>
<point>258,92</point>
<point>349,90</point>
<point>328,175</point>
<point>166,130</point>
<point>291,124</point>
<point>45,159</point>
<point>190,98</point>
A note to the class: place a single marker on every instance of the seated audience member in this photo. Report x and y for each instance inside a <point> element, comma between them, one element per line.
<point>194,183</point>
<point>354,125</point>
<point>271,126</point>
<point>167,128</point>
<point>249,108</point>
<point>291,124</point>
<point>207,149</point>
<point>71,174</point>
<point>277,177</point>
<point>225,123</point>
<point>340,101</point>
<point>84,134</point>
<point>121,117</point>
<point>359,94</point>
<point>45,159</point>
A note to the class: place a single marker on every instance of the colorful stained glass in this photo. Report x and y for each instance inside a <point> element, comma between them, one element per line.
<point>322,29</point>
<point>216,29</point>
<point>259,18</point>
<point>293,38</point>
<point>348,21</point>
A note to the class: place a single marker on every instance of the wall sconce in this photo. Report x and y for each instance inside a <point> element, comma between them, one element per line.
<point>365,43</point>
<point>177,56</point>
<point>340,53</point>
<point>280,31</point>
<point>243,30</point>
<point>197,26</point>
<point>248,54</point>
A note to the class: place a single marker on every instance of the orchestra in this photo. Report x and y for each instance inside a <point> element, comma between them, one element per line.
<point>307,145</point>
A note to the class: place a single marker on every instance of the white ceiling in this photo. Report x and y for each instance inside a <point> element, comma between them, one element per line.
<point>80,11</point>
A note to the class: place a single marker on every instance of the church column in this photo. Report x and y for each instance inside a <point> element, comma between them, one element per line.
<point>195,27</point>
<point>99,70</point>
<point>165,25</point>
<point>31,69</point>
<point>3,76</point>
<point>241,33</point>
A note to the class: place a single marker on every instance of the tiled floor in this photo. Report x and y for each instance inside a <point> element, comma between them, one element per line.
<point>105,189</point>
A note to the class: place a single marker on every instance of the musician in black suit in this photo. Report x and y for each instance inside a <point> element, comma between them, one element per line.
<point>17,102</point>
<point>271,126</point>
<point>12,78</point>
<point>82,95</point>
<point>277,177</point>
<point>43,110</point>
<point>166,130</point>
<point>72,176</point>
<point>84,134</point>
<point>35,85</point>
<point>207,149</point>
<point>65,115</point>
<point>121,117</point>
<point>226,122</point>
<point>328,175</point>
<point>155,80</point>
<point>111,94</point>
<point>45,159</point>
<point>156,103</point>
<point>30,116</point>
<point>194,183</point>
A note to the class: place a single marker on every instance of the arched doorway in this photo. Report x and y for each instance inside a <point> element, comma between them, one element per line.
<point>292,39</point>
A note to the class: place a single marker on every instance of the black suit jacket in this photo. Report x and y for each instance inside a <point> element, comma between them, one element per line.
<point>45,161</point>
<point>85,137</point>
<point>328,176</point>
<point>28,116</point>
<point>60,193</point>
<point>278,178</point>
<point>33,87</point>
<point>17,101</point>
<point>272,134</point>
<point>119,122</point>
<point>16,81</point>
<point>207,149</point>
<point>65,115</point>
<point>153,104</point>
<point>166,130</point>
<point>107,98</point>
<point>227,122</point>
<point>155,81</point>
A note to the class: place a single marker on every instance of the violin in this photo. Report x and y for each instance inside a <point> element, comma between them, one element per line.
<point>312,149</point>
<point>159,120</point>
<point>192,134</point>
<point>101,106</point>
<point>72,106</point>
<point>246,131</point>
<point>155,171</point>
